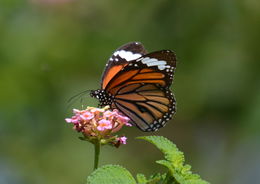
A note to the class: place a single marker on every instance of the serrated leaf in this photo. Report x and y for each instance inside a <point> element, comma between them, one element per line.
<point>166,164</point>
<point>174,161</point>
<point>141,179</point>
<point>111,174</point>
<point>169,149</point>
<point>156,178</point>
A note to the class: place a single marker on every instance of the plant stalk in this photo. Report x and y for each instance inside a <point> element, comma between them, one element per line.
<point>97,153</point>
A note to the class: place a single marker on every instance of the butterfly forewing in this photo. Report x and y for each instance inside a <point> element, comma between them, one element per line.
<point>163,61</point>
<point>120,58</point>
<point>156,67</point>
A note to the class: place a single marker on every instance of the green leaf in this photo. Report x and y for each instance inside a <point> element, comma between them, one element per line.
<point>111,174</point>
<point>154,179</point>
<point>141,179</point>
<point>174,161</point>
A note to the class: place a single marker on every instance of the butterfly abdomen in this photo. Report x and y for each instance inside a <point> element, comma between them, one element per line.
<point>103,97</point>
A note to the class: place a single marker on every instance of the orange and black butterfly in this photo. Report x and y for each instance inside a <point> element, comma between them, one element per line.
<point>137,84</point>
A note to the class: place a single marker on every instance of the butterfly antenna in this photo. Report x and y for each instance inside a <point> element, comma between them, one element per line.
<point>74,98</point>
<point>77,95</point>
<point>81,102</point>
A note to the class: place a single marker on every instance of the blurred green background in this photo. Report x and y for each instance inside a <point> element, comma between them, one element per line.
<point>51,50</point>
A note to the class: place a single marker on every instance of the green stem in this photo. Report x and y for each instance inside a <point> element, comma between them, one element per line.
<point>97,153</point>
<point>170,179</point>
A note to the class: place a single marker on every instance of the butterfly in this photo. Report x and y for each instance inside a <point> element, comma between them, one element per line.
<point>137,84</point>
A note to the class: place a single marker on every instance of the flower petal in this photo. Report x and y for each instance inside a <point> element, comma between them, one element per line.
<point>104,125</point>
<point>122,140</point>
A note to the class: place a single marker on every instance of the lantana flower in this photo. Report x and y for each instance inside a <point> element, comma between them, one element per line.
<point>104,125</point>
<point>122,140</point>
<point>99,124</point>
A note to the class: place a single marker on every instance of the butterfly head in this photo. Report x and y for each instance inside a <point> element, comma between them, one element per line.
<point>103,97</point>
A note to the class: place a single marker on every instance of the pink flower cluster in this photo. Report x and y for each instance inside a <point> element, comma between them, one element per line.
<point>96,123</point>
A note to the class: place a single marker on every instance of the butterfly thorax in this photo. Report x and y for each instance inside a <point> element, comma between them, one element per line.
<point>103,97</point>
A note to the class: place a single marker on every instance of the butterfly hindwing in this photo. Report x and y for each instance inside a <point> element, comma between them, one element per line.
<point>149,106</point>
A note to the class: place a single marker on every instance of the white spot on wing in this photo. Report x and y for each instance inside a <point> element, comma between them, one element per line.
<point>127,55</point>
<point>161,67</point>
<point>148,60</point>
<point>155,62</point>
